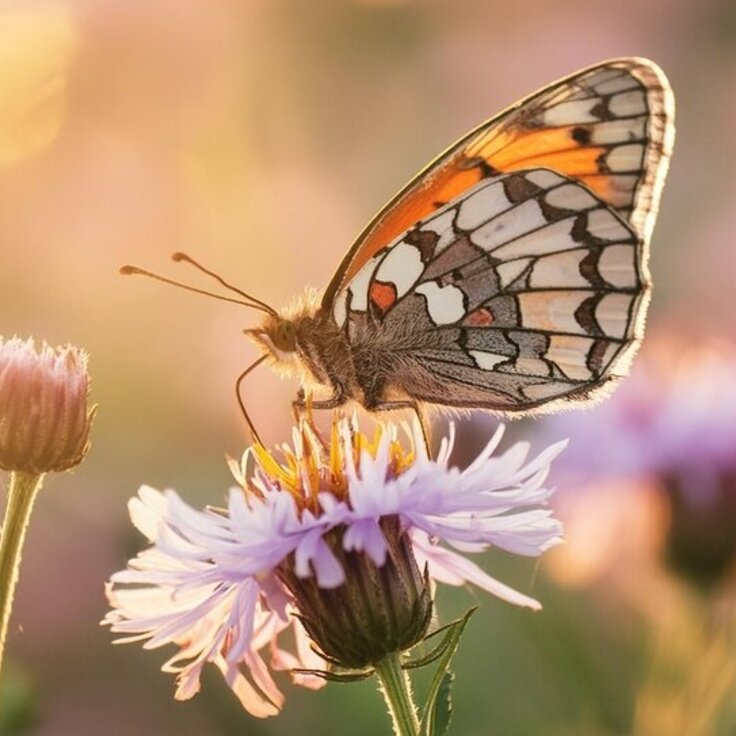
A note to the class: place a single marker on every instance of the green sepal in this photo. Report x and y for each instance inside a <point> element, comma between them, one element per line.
<point>344,677</point>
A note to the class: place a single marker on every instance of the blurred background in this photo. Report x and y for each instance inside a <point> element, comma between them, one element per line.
<point>260,137</point>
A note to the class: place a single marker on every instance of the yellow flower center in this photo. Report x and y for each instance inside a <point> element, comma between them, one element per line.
<point>314,465</point>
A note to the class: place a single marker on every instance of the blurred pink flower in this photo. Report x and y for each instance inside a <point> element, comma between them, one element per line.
<point>676,413</point>
<point>44,419</point>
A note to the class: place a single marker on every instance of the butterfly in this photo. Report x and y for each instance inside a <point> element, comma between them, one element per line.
<point>511,273</point>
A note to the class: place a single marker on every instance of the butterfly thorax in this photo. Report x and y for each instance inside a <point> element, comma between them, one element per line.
<point>305,341</point>
<point>370,362</point>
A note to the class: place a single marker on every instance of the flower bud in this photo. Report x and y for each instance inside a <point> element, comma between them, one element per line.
<point>44,419</point>
<point>377,611</point>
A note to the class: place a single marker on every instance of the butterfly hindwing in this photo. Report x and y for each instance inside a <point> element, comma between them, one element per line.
<point>610,127</point>
<point>523,290</point>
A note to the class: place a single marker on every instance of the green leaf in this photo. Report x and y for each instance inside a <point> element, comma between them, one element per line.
<point>443,705</point>
<point>440,648</point>
<point>347,676</point>
<point>437,709</point>
<point>436,652</point>
<point>18,703</point>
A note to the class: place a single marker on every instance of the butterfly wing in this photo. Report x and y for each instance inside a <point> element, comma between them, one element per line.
<point>609,126</point>
<point>525,289</point>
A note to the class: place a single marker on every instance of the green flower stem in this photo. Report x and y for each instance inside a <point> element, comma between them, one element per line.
<point>22,493</point>
<point>396,689</point>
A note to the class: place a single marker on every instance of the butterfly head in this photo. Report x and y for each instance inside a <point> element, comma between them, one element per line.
<point>285,336</point>
<point>277,337</point>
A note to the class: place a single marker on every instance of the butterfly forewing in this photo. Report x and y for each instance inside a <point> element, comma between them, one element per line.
<point>610,127</point>
<point>523,290</point>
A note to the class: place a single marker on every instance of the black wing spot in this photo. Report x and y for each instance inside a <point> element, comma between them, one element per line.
<point>589,269</point>
<point>579,230</point>
<point>480,163</point>
<point>425,241</point>
<point>602,162</point>
<point>595,357</point>
<point>581,135</point>
<point>601,111</point>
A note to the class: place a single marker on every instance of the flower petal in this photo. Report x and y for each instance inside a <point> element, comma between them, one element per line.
<point>454,569</point>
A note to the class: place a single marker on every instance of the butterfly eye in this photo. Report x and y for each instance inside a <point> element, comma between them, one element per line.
<point>284,337</point>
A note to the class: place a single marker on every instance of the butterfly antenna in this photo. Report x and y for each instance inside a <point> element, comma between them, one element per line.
<point>136,271</point>
<point>246,416</point>
<point>184,258</point>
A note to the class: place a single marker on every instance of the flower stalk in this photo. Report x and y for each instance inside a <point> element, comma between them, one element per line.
<point>22,494</point>
<point>44,428</point>
<point>396,688</point>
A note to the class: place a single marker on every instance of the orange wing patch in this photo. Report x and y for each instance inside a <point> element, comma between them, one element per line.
<point>383,295</point>
<point>492,154</point>
<point>561,149</point>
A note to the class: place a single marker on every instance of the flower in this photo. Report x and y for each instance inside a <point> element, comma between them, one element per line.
<point>675,413</point>
<point>336,543</point>
<point>674,430</point>
<point>44,419</point>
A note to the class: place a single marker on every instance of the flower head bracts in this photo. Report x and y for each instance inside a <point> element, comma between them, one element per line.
<point>44,418</point>
<point>223,585</point>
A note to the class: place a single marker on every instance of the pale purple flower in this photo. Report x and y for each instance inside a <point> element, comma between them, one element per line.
<point>225,586</point>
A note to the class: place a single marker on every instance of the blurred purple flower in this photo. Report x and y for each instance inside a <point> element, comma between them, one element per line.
<point>302,533</point>
<point>673,422</point>
<point>676,413</point>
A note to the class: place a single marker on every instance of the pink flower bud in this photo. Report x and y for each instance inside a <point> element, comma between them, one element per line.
<point>44,419</point>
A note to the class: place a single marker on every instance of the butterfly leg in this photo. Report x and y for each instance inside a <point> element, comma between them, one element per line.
<point>301,403</point>
<point>333,402</point>
<point>303,406</point>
